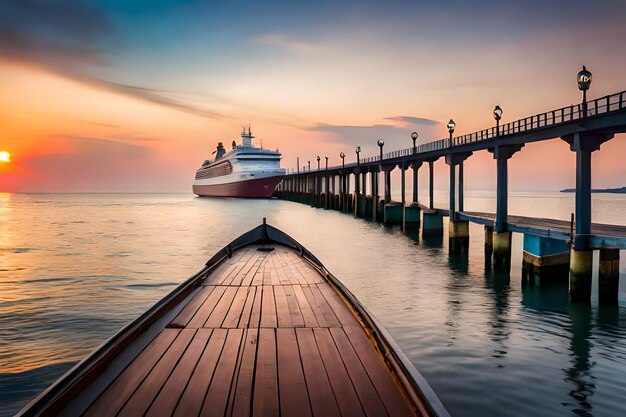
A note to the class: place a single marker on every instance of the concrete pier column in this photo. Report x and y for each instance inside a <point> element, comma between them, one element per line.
<point>432,223</point>
<point>502,153</point>
<point>458,236</point>
<point>488,247</point>
<point>584,143</point>
<point>461,187</point>
<point>387,185</point>
<point>458,230</point>
<point>416,166</point>
<point>608,277</point>
<point>580,272</point>
<point>374,181</point>
<point>452,209</point>
<point>357,194</point>
<point>502,251</point>
<point>403,193</point>
<point>327,192</point>
<point>391,212</point>
<point>431,183</point>
<point>363,212</point>
<point>346,194</point>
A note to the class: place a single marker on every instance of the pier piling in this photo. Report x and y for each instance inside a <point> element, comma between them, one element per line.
<point>608,277</point>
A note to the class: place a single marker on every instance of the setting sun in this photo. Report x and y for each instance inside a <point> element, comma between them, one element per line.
<point>5,156</point>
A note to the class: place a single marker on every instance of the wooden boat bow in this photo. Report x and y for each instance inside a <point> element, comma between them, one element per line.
<point>268,332</point>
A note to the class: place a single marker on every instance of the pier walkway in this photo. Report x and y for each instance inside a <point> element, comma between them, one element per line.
<point>602,235</point>
<point>585,127</point>
<point>265,335</point>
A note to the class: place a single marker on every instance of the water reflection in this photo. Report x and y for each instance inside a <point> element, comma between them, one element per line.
<point>580,379</point>
<point>498,285</point>
<point>579,374</point>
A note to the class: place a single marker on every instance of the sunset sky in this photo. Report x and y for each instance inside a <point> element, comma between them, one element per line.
<point>133,96</point>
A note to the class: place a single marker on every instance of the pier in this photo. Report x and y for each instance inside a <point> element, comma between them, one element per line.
<point>550,246</point>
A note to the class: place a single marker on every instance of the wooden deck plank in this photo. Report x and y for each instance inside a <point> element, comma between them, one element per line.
<point>294,397</point>
<point>387,389</point>
<point>268,308</point>
<point>294,309</point>
<point>345,393</point>
<point>239,263</point>
<point>341,310</point>
<point>236,312</point>
<point>282,307</point>
<point>248,268</point>
<point>167,399</point>
<point>368,395</point>
<point>267,277</point>
<point>255,315</point>
<point>257,280</point>
<point>241,394</point>
<point>217,316</point>
<point>319,315</point>
<point>220,274</point>
<point>323,305</point>
<point>216,399</point>
<point>206,308</point>
<point>190,403</point>
<point>141,399</point>
<point>307,312</point>
<point>183,318</point>
<point>230,266</point>
<point>280,270</point>
<point>265,400</point>
<point>116,395</point>
<point>323,402</point>
<point>249,277</point>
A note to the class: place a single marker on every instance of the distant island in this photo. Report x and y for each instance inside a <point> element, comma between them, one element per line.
<point>599,190</point>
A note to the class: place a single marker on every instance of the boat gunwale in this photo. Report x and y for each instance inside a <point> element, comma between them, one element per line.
<point>61,392</point>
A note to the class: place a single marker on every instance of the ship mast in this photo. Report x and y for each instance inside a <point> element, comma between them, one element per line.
<point>246,137</point>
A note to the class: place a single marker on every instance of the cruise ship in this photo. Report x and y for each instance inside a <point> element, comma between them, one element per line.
<point>246,171</point>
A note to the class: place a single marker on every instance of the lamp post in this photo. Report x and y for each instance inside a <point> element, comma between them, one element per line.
<point>358,151</point>
<point>497,114</point>
<point>381,143</point>
<point>318,163</point>
<point>343,159</point>
<point>309,166</point>
<point>584,81</point>
<point>451,126</point>
<point>326,163</point>
<point>414,136</point>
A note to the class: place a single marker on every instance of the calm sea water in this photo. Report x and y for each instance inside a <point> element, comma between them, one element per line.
<point>75,268</point>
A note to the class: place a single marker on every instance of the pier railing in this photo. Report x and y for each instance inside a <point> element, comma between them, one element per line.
<point>568,114</point>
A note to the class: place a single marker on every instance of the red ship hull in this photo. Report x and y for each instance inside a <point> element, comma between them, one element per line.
<point>257,188</point>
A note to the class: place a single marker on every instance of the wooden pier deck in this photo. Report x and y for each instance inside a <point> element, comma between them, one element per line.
<point>265,335</point>
<point>602,235</point>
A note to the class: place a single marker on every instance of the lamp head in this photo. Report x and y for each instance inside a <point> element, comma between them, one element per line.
<point>414,135</point>
<point>451,126</point>
<point>584,79</point>
<point>497,113</point>
<point>358,149</point>
<point>381,143</point>
<point>318,158</point>
<point>342,155</point>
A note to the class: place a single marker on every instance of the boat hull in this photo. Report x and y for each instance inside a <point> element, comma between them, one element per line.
<point>256,188</point>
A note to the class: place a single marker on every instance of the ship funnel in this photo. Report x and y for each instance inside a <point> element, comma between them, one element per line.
<point>220,151</point>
